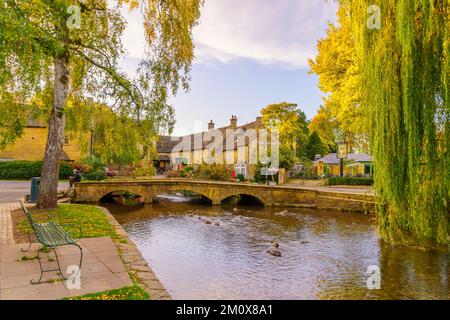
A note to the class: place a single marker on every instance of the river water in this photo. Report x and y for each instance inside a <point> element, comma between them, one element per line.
<point>324,254</point>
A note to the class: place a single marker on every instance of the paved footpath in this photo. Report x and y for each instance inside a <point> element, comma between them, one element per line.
<point>102,268</point>
<point>106,264</point>
<point>11,191</point>
<point>339,189</point>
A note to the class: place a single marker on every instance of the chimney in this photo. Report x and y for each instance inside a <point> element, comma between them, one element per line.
<point>233,122</point>
<point>259,122</point>
<point>317,157</point>
<point>211,125</point>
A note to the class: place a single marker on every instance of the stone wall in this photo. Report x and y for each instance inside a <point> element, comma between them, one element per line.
<point>31,146</point>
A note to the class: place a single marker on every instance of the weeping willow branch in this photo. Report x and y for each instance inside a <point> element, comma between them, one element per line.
<point>406,95</point>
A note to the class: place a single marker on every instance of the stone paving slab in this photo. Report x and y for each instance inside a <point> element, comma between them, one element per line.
<point>102,270</point>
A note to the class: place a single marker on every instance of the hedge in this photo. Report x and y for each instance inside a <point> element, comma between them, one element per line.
<point>350,181</point>
<point>98,175</point>
<point>25,170</point>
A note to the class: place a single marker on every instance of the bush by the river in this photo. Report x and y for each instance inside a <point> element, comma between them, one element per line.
<point>95,175</point>
<point>349,181</point>
<point>24,170</point>
<point>212,172</point>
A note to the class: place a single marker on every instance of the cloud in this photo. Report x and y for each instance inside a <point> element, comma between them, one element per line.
<point>271,32</point>
<point>280,32</point>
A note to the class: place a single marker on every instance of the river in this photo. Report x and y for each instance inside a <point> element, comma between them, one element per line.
<point>203,252</point>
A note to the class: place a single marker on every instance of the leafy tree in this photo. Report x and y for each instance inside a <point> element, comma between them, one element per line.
<point>44,49</point>
<point>324,124</point>
<point>405,71</point>
<point>290,122</point>
<point>287,157</point>
<point>314,146</point>
<point>12,118</point>
<point>339,73</point>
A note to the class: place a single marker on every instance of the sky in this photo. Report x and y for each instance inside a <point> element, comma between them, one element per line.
<point>249,54</point>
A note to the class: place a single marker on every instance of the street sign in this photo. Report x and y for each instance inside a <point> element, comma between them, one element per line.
<point>342,151</point>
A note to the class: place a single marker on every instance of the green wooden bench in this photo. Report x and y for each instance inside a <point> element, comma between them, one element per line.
<point>51,235</point>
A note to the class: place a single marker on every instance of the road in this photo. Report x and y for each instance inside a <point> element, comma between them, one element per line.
<point>339,189</point>
<point>11,191</point>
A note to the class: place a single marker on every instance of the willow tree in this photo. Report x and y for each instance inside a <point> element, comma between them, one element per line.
<point>73,47</point>
<point>403,47</point>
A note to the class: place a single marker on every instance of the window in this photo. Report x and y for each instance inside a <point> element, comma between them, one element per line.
<point>66,140</point>
<point>183,161</point>
<point>241,168</point>
<point>367,169</point>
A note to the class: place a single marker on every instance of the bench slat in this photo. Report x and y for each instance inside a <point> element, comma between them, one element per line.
<point>52,234</point>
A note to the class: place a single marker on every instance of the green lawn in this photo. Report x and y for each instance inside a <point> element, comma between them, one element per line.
<point>92,221</point>
<point>127,293</point>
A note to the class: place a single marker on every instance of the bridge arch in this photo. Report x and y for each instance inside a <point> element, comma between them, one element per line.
<point>242,199</point>
<point>110,194</point>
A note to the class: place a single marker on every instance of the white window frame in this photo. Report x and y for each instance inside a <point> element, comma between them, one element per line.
<point>241,168</point>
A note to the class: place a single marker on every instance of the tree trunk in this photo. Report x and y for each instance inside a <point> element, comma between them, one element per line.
<point>50,171</point>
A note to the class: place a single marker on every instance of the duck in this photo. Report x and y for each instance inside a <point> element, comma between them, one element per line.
<point>273,250</point>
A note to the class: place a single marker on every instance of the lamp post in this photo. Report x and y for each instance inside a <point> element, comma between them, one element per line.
<point>342,154</point>
<point>91,149</point>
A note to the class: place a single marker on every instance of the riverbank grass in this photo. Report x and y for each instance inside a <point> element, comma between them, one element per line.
<point>127,293</point>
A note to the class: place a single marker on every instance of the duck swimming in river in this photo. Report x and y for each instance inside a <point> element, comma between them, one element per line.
<point>273,250</point>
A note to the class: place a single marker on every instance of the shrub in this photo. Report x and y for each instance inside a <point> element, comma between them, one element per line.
<point>212,172</point>
<point>93,162</point>
<point>187,172</point>
<point>24,170</point>
<point>95,175</point>
<point>83,167</point>
<point>144,170</point>
<point>65,170</point>
<point>350,181</point>
<point>240,177</point>
<point>173,174</point>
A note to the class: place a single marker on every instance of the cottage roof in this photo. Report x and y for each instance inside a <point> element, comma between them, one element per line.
<point>166,144</point>
<point>354,157</point>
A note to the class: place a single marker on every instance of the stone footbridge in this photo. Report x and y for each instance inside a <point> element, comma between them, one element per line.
<point>218,191</point>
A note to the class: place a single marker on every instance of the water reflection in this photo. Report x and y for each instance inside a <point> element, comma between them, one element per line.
<point>325,254</point>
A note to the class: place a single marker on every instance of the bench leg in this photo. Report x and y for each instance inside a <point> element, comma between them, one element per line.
<point>48,270</point>
<point>81,256</point>
<point>40,265</point>
<point>59,266</point>
<point>57,262</point>
<point>29,239</point>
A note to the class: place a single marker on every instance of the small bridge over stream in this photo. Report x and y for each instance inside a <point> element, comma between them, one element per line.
<point>218,191</point>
